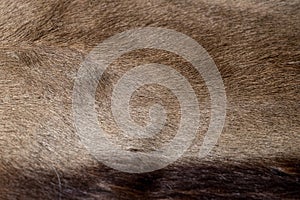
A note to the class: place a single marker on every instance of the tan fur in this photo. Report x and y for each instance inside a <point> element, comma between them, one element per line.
<point>255,45</point>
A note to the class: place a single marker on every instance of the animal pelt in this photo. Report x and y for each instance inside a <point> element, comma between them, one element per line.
<point>255,45</point>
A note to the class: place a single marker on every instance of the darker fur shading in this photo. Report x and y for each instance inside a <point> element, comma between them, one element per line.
<point>201,181</point>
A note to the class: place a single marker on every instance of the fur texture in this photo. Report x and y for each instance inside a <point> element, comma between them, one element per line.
<point>255,45</point>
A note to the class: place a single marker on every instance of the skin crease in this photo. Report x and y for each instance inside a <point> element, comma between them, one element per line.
<point>255,45</point>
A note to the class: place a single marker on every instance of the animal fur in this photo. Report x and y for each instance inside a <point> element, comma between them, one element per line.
<point>255,45</point>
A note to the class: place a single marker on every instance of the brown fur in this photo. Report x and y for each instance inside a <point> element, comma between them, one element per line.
<point>255,45</point>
